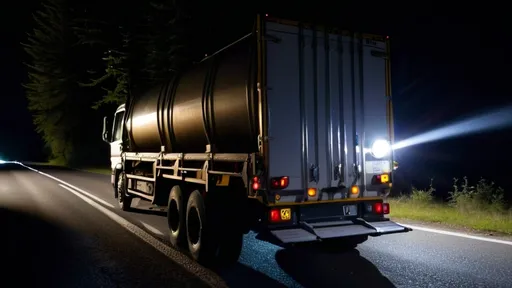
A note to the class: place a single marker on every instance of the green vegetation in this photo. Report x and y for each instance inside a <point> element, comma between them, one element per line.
<point>51,89</point>
<point>85,58</point>
<point>97,170</point>
<point>480,207</point>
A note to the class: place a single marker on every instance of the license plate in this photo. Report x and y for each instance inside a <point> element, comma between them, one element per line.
<point>286,214</point>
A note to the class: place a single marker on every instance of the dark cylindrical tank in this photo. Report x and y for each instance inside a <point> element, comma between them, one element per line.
<point>213,103</point>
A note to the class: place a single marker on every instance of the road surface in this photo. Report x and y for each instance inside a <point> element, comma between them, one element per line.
<point>61,228</point>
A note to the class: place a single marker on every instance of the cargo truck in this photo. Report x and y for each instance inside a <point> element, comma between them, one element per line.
<point>286,132</point>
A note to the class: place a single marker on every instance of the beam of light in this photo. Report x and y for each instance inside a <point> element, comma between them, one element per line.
<point>493,120</point>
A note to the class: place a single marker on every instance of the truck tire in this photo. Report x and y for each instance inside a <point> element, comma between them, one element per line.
<point>123,199</point>
<point>199,239</point>
<point>230,247</point>
<point>212,241</point>
<point>176,217</point>
<point>229,229</point>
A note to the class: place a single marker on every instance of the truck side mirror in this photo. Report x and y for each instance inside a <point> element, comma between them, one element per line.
<point>105,133</point>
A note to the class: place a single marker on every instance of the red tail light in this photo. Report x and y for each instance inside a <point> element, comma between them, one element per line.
<point>377,208</point>
<point>280,215</point>
<point>256,183</point>
<point>380,208</point>
<point>274,215</point>
<point>385,208</point>
<point>279,182</point>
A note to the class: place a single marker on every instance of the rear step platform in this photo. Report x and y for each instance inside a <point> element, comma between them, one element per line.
<point>310,232</point>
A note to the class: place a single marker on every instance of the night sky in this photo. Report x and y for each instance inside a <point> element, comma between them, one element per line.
<point>447,63</point>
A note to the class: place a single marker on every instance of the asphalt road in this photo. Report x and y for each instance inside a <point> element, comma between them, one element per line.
<point>70,234</point>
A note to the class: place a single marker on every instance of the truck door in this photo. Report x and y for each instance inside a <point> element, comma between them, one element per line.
<point>117,139</point>
<point>326,107</point>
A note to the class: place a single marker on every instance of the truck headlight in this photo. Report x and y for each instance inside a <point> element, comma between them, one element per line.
<point>380,148</point>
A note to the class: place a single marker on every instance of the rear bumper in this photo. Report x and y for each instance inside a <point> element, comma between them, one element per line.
<point>306,232</point>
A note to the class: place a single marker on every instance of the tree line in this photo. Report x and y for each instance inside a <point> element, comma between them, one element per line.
<point>86,57</point>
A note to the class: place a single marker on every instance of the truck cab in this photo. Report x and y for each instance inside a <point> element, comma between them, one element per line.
<point>115,138</point>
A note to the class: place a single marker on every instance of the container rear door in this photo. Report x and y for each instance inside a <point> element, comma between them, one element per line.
<point>326,97</point>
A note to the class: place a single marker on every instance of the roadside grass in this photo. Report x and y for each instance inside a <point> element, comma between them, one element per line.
<point>480,207</point>
<point>97,170</point>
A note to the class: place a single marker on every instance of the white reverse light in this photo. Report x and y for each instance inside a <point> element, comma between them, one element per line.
<point>380,148</point>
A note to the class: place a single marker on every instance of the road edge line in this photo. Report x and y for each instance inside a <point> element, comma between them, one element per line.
<point>456,234</point>
<point>72,186</point>
<point>189,265</point>
<point>151,228</point>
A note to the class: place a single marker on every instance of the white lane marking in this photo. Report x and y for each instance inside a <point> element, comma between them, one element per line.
<point>444,232</point>
<point>188,264</point>
<point>177,257</point>
<point>151,228</point>
<point>89,195</point>
<point>72,186</point>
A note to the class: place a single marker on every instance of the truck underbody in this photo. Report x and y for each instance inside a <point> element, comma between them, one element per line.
<point>152,176</point>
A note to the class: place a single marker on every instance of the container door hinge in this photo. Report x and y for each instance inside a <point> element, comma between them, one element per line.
<point>314,173</point>
<point>338,172</point>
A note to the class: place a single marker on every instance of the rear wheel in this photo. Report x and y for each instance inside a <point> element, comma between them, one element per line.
<point>176,217</point>
<point>229,224</point>
<point>200,244</point>
<point>216,239</point>
<point>124,201</point>
<point>230,248</point>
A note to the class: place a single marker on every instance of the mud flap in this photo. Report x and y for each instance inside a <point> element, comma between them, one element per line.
<point>309,232</point>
